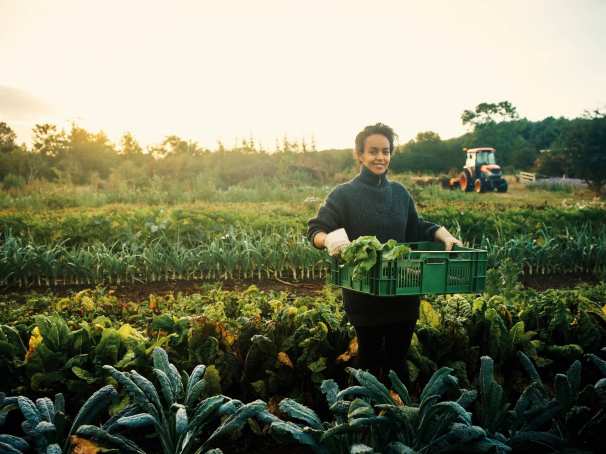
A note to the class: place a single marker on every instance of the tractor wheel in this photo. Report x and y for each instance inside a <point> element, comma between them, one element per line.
<point>478,186</point>
<point>465,182</point>
<point>502,186</point>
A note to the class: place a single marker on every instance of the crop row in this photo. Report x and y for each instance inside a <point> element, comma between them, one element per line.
<point>255,255</point>
<point>259,345</point>
<point>302,341</point>
<point>196,224</point>
<point>184,416</point>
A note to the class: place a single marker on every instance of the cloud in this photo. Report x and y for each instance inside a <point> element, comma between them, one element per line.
<point>20,106</point>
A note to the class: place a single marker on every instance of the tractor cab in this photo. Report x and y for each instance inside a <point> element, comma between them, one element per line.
<point>481,172</point>
<point>485,157</point>
<point>477,157</point>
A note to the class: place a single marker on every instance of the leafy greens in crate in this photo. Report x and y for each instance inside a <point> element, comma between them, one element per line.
<point>363,253</point>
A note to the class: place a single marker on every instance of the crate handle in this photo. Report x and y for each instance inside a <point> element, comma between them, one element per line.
<point>431,260</point>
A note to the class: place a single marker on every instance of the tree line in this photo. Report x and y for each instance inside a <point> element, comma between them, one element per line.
<point>552,147</point>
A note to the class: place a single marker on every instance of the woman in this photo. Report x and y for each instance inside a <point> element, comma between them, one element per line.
<point>370,204</point>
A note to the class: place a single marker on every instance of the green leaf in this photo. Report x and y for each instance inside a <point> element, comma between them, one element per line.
<point>195,392</point>
<point>467,397</point>
<point>259,387</point>
<point>567,353</point>
<point>127,360</point>
<point>529,368</point>
<point>397,447</point>
<point>137,421</point>
<point>162,364</point>
<point>574,377</point>
<point>54,330</point>
<point>78,360</point>
<point>195,377</point>
<point>563,392</point>
<point>598,362</point>
<point>148,389</point>
<point>359,408</point>
<point>459,435</point>
<point>377,390</point>
<point>317,366</point>
<point>41,381</point>
<point>362,254</point>
<point>54,449</point>
<point>104,438</point>
<point>46,409</point>
<point>393,252</point>
<point>135,393</point>
<point>399,387</point>
<point>260,356</point>
<point>205,411</point>
<point>84,375</point>
<point>530,440</point>
<point>165,386</point>
<point>295,410</point>
<point>440,382</point>
<point>181,421</point>
<point>287,432</point>
<point>17,443</point>
<point>360,448</point>
<point>29,411</point>
<point>94,406</point>
<point>330,389</point>
<point>108,348</point>
<point>163,322</point>
<point>359,423</point>
<point>236,421</point>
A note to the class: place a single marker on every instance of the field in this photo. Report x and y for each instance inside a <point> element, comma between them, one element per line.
<point>153,307</point>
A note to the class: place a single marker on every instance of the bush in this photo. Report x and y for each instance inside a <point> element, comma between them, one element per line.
<point>552,186</point>
<point>12,181</point>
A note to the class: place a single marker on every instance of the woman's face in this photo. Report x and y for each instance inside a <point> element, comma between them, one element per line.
<point>376,154</point>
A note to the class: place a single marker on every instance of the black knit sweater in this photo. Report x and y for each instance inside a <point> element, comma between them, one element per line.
<point>372,205</point>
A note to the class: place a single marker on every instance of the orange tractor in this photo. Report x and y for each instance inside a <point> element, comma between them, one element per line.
<point>481,172</point>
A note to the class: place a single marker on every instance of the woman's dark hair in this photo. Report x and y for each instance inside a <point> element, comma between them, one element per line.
<point>378,128</point>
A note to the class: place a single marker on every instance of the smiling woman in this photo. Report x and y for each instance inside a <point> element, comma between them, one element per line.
<point>370,204</point>
<point>376,155</point>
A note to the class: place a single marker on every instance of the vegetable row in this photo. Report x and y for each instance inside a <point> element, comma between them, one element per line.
<point>185,416</point>
<point>243,254</point>
<point>261,344</point>
<point>191,225</point>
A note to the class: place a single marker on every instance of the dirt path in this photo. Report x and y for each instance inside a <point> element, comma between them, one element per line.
<point>141,292</point>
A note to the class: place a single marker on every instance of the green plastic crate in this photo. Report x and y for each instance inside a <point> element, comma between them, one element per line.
<point>427,269</point>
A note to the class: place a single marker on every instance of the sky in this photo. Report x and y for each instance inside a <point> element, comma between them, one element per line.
<point>226,70</point>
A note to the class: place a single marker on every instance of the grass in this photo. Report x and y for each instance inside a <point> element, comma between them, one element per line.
<point>43,196</point>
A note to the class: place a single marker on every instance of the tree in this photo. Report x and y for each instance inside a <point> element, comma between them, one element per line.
<point>512,149</point>
<point>87,154</point>
<point>7,138</point>
<point>542,134</point>
<point>174,146</point>
<point>489,113</point>
<point>583,144</point>
<point>427,152</point>
<point>129,146</point>
<point>551,163</point>
<point>47,141</point>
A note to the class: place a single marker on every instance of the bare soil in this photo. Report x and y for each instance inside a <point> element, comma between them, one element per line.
<point>139,292</point>
<point>558,281</point>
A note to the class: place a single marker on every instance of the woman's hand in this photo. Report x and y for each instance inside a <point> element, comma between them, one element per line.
<point>445,237</point>
<point>333,241</point>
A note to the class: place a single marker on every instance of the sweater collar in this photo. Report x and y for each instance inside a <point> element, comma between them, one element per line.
<point>366,176</point>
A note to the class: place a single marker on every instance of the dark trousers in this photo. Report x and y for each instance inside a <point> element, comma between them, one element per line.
<point>384,347</point>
